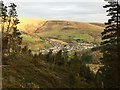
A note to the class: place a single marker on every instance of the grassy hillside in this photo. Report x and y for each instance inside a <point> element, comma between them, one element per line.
<point>65,29</point>
<point>29,25</point>
<point>98,24</point>
<point>33,29</point>
<point>34,43</point>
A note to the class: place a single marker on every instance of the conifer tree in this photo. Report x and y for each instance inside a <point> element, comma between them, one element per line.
<point>48,56</point>
<point>111,47</point>
<point>16,39</point>
<point>11,37</point>
<point>86,58</point>
<point>3,13</point>
<point>59,58</point>
<point>65,56</point>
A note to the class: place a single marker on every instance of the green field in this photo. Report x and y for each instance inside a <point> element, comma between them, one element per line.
<point>65,29</point>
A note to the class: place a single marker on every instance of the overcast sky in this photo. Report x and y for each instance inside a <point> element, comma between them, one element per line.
<point>75,10</point>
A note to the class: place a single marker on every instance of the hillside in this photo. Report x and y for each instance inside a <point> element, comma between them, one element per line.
<point>28,25</point>
<point>26,70</point>
<point>64,31</point>
<point>26,73</point>
<point>98,24</point>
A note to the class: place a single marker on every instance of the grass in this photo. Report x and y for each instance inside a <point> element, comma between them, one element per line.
<point>62,30</point>
<point>86,37</point>
<point>85,31</point>
<point>34,43</point>
<point>29,25</point>
<point>59,41</point>
<point>28,38</point>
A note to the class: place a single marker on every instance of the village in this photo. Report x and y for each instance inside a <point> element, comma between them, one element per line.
<point>69,47</point>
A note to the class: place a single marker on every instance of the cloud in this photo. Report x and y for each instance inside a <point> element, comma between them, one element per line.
<point>78,11</point>
<point>54,0</point>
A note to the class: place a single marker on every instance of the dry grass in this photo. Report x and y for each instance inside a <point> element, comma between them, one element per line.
<point>26,73</point>
<point>59,41</point>
<point>29,25</point>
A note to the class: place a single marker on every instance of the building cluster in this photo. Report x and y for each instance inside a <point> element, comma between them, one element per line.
<point>74,46</point>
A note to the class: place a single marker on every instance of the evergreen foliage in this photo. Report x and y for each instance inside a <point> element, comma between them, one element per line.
<point>111,47</point>
<point>11,36</point>
<point>86,58</point>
